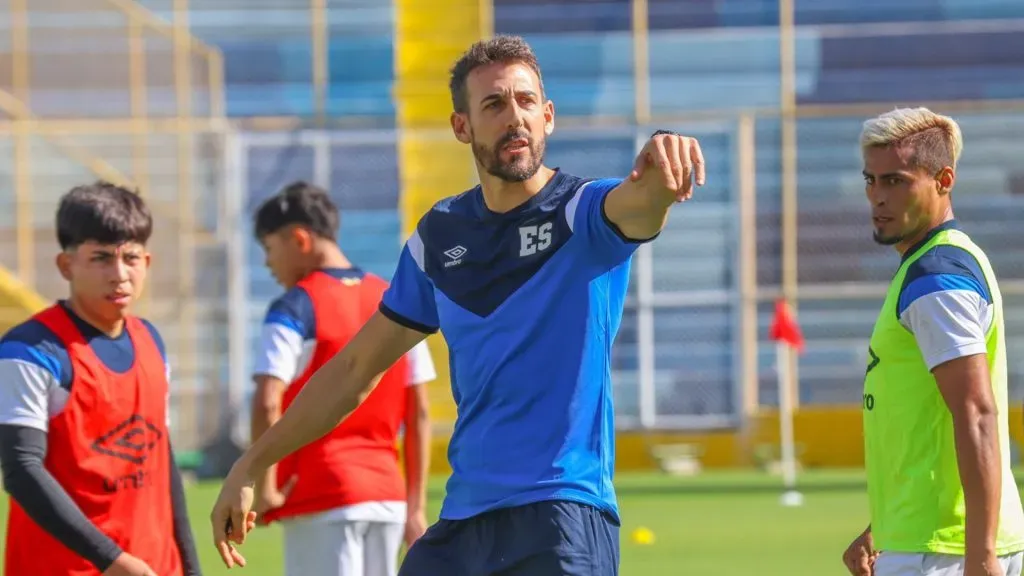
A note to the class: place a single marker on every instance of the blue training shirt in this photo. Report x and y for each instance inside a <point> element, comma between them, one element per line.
<point>529,302</point>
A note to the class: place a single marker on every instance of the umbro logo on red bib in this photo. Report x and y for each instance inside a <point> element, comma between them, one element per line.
<point>131,440</point>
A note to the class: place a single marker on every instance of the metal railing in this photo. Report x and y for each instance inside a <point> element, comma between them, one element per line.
<point>23,121</point>
<point>105,89</point>
<point>148,128</point>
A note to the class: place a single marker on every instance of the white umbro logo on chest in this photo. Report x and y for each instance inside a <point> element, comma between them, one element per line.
<point>533,239</point>
<point>455,255</point>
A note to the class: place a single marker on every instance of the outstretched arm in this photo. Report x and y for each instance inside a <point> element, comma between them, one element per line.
<point>663,174</point>
<point>332,393</point>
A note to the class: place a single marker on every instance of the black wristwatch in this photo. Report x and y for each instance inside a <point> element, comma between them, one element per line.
<point>660,132</point>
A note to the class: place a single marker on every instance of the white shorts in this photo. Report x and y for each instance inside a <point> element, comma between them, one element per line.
<point>342,547</point>
<point>899,564</point>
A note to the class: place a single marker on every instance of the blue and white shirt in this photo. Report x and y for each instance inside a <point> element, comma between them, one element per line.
<point>530,302</point>
<point>36,372</point>
<point>288,337</point>
<point>286,348</point>
<point>946,303</point>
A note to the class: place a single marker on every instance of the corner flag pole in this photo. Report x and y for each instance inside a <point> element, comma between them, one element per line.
<point>786,333</point>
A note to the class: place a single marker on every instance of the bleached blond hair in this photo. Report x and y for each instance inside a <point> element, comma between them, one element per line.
<point>935,140</point>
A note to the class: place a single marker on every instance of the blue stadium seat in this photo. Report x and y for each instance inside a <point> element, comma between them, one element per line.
<point>269,77</point>
<point>867,11</point>
<point>674,15</point>
<point>592,74</point>
<point>365,176</point>
<point>268,61</point>
<point>560,16</point>
<point>267,55</point>
<point>738,13</point>
<point>592,157</point>
<point>539,16</point>
<point>697,61</point>
<point>974,10</point>
<point>730,72</point>
<point>272,167</point>
<point>587,74</point>
<point>368,237</point>
<point>928,66</point>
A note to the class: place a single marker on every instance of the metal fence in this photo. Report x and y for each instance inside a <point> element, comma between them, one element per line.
<point>693,350</point>
<point>103,88</point>
<point>94,89</point>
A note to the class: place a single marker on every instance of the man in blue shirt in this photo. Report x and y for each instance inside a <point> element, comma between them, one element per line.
<point>526,276</point>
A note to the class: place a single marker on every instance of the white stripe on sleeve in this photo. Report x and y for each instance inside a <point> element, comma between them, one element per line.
<point>948,324</point>
<point>421,365</point>
<point>280,352</point>
<point>29,394</point>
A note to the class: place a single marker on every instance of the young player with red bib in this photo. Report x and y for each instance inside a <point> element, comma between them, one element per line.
<point>342,500</point>
<point>84,441</point>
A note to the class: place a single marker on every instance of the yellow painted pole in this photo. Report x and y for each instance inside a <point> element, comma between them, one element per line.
<point>22,143</point>
<point>186,241</point>
<point>429,37</point>
<point>131,8</point>
<point>139,103</point>
<point>787,57</point>
<point>749,384</point>
<point>485,15</point>
<point>318,22</point>
<point>215,64</point>
<point>138,99</point>
<point>641,63</point>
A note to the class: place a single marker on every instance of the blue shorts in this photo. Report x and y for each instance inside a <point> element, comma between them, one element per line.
<point>551,538</point>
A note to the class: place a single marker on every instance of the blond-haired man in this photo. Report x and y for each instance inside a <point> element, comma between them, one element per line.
<point>936,441</point>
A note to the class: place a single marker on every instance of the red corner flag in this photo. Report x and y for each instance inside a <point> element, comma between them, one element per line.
<point>784,327</point>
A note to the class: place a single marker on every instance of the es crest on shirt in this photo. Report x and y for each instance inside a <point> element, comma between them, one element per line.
<point>455,254</point>
<point>534,239</point>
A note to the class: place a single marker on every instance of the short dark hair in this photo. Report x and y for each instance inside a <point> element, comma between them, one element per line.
<point>299,203</point>
<point>104,213</point>
<point>503,48</point>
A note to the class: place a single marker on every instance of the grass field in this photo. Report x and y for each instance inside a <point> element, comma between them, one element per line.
<point>716,523</point>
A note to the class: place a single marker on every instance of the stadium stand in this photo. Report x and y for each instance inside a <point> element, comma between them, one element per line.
<point>720,55</point>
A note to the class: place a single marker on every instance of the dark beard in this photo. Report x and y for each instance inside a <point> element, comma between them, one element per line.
<point>517,170</point>
<point>886,241</point>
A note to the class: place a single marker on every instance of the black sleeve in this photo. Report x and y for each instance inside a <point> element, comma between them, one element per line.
<point>182,528</point>
<point>22,451</point>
